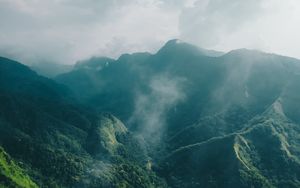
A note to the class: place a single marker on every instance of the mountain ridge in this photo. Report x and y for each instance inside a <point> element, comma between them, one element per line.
<point>177,118</point>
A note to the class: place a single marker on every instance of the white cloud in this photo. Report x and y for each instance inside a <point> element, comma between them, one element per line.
<point>269,25</point>
<point>66,31</point>
<point>69,30</point>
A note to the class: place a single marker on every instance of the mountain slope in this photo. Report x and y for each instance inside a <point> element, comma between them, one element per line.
<point>263,154</point>
<point>183,117</point>
<point>51,135</point>
<point>206,83</point>
<point>217,117</point>
<point>11,175</point>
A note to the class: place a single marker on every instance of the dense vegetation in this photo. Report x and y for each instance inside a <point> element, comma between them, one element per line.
<point>183,117</point>
<point>11,175</point>
<point>61,143</point>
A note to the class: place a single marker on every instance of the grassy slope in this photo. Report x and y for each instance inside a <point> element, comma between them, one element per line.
<point>11,175</point>
<point>262,154</point>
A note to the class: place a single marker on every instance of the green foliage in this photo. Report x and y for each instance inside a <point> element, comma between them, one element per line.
<point>129,174</point>
<point>11,175</point>
<point>108,131</point>
<point>237,126</point>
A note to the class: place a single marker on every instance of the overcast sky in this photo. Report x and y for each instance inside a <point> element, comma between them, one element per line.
<point>64,31</point>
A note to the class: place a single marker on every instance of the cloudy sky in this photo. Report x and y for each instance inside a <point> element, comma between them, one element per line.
<point>64,31</point>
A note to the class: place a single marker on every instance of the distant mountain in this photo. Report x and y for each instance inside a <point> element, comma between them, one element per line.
<point>50,70</point>
<point>209,119</point>
<point>94,63</point>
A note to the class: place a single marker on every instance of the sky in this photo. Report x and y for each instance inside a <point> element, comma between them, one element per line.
<point>66,31</point>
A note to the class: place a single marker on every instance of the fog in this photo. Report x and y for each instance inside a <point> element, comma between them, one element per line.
<point>151,109</point>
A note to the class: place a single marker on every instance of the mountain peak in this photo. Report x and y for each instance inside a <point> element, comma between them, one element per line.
<point>174,42</point>
<point>176,46</point>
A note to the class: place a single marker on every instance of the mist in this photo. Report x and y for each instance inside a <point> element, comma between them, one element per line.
<point>151,109</point>
<point>68,31</point>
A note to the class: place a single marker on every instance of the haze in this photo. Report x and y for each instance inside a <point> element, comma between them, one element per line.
<point>65,31</point>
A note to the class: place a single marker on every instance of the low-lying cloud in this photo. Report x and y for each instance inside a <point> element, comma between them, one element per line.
<point>151,108</point>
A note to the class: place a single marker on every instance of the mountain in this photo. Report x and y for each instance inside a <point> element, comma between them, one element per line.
<point>50,70</point>
<point>54,141</point>
<point>182,117</point>
<point>176,46</point>
<point>208,119</point>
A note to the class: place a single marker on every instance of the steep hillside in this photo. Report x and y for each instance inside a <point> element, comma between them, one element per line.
<point>182,117</point>
<point>223,120</point>
<point>196,85</point>
<point>11,175</point>
<point>60,142</point>
<point>263,154</point>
